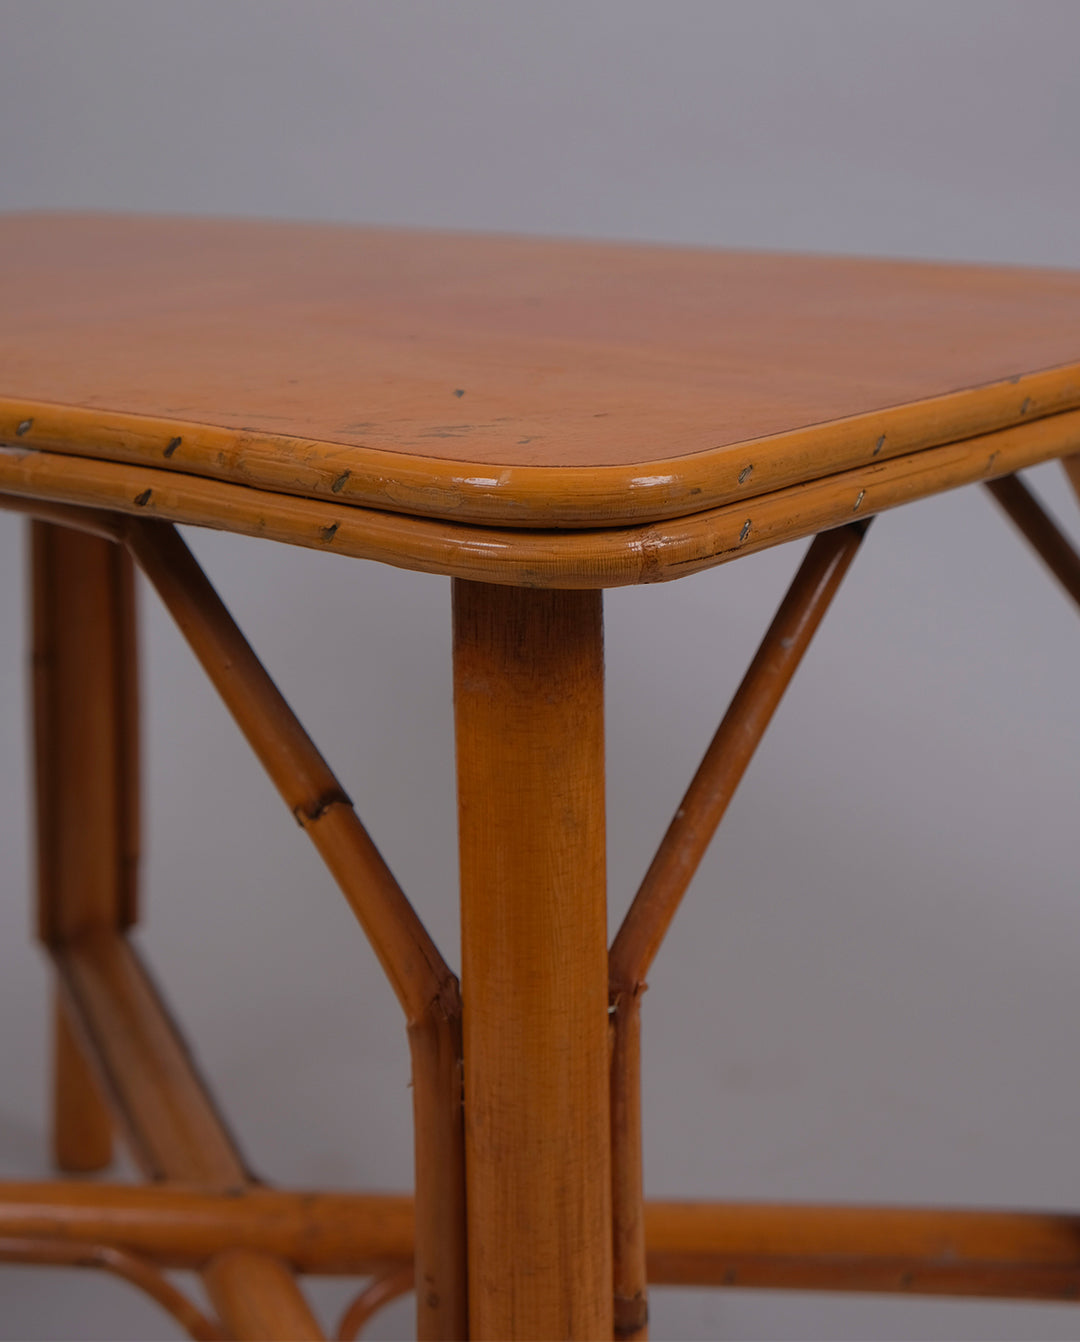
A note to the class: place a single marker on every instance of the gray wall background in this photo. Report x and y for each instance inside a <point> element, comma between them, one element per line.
<point>871,990</point>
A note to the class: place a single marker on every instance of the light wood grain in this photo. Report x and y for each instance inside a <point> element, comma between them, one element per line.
<point>528,696</point>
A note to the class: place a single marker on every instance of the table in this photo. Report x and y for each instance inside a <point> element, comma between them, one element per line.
<point>539,420</point>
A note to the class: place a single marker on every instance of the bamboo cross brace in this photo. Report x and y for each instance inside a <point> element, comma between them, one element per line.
<point>1046,538</point>
<point>165,1112</point>
<point>416,970</point>
<point>1072,472</point>
<point>729,753</point>
<point>156,1097</point>
<point>680,852</point>
<point>424,984</point>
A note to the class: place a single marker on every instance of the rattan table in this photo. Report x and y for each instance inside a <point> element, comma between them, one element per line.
<point>539,420</point>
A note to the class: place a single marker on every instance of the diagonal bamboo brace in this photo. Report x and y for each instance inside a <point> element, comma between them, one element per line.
<point>410,958</point>
<point>669,875</point>
<point>730,752</point>
<point>1037,526</point>
<point>424,984</point>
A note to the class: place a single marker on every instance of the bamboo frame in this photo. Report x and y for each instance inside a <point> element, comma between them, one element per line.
<point>394,1281</point>
<point>86,733</point>
<point>424,985</point>
<point>257,1296</point>
<point>611,557</point>
<point>1041,531</point>
<point>183,1226</point>
<point>729,753</point>
<point>894,1250</point>
<point>528,715</point>
<point>1072,473</point>
<point>416,970</point>
<point>421,979</point>
<point>680,852</point>
<point>578,496</point>
<point>86,776</point>
<point>115,1038</point>
<point>168,1119</point>
<point>158,1100</point>
<point>120,1263</point>
<point>115,1041</point>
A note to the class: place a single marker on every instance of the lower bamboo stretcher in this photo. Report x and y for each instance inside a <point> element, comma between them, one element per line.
<point>919,1251</point>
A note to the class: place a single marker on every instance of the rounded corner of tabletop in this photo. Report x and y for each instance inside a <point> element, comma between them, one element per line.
<point>516,410</point>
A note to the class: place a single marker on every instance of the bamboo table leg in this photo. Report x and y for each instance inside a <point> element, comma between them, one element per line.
<point>528,690</point>
<point>87,797</point>
<point>87,788</point>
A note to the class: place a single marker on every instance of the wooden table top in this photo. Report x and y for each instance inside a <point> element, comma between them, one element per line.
<point>507,381</point>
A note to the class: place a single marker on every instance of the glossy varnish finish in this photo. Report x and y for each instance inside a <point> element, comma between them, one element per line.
<point>538,420</point>
<point>528,701</point>
<point>614,557</point>
<point>522,382</point>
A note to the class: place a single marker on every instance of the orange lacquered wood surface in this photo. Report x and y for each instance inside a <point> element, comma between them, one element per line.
<point>518,382</point>
<point>518,414</point>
